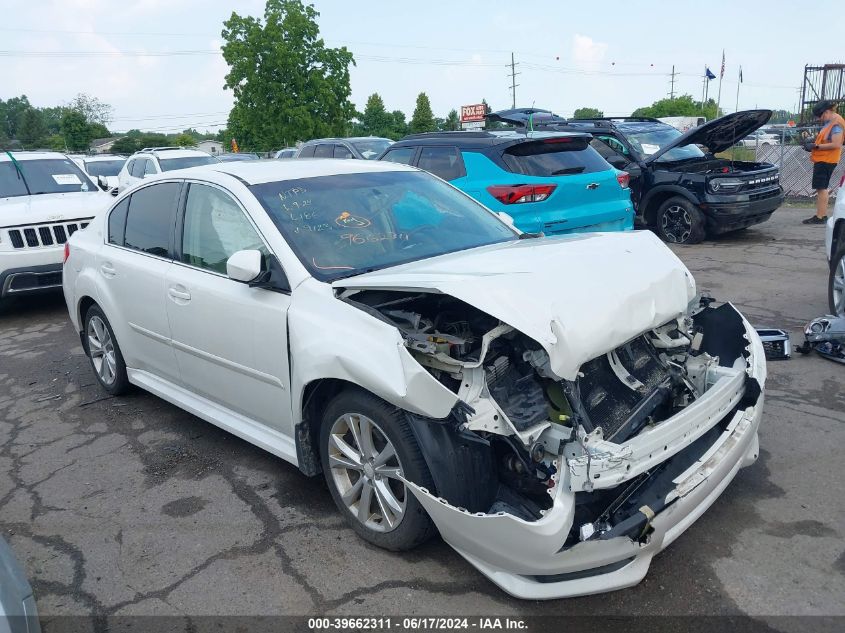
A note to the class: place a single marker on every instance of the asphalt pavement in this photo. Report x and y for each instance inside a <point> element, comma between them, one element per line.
<point>126,506</point>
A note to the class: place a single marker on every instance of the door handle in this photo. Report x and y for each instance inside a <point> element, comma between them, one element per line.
<point>107,269</point>
<point>176,293</point>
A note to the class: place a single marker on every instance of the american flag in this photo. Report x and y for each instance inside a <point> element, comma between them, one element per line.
<point>722,74</point>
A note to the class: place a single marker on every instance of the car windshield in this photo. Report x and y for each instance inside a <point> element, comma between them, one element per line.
<point>371,148</point>
<point>104,167</point>
<point>649,138</point>
<point>348,224</point>
<point>34,177</point>
<point>169,164</point>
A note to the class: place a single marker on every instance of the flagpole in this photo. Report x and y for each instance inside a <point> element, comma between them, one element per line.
<point>721,74</point>
<point>703,84</point>
<point>737,89</point>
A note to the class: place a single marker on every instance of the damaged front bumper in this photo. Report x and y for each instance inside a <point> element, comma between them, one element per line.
<point>532,559</point>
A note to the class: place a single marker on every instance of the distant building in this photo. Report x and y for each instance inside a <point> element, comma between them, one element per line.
<point>102,145</point>
<point>211,147</point>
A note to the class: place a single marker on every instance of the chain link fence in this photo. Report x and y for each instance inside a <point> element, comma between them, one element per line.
<point>783,148</point>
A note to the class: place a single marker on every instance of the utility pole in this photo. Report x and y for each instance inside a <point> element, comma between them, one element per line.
<point>513,66</point>
<point>672,89</point>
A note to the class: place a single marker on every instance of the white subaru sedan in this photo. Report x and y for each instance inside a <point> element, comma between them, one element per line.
<point>559,409</point>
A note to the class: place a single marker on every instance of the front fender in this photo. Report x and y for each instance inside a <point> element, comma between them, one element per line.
<point>361,350</point>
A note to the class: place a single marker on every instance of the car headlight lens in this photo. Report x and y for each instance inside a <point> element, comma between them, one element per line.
<point>725,184</point>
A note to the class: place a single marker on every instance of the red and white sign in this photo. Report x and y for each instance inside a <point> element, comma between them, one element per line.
<point>474,112</point>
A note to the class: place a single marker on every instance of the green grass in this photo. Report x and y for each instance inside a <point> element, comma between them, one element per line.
<point>738,153</point>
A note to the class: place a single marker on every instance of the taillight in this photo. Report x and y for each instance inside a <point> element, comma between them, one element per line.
<point>517,194</point>
<point>623,178</point>
<point>67,253</point>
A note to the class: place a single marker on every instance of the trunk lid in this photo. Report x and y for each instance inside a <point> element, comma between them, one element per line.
<point>577,296</point>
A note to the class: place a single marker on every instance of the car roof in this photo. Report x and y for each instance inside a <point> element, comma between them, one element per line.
<point>467,140</point>
<point>32,155</point>
<point>345,138</point>
<point>170,153</point>
<point>255,172</point>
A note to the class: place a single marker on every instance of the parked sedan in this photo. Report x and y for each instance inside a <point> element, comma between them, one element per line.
<point>759,138</point>
<point>368,321</point>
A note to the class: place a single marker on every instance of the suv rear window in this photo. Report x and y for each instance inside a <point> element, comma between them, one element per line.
<point>169,164</point>
<point>554,157</point>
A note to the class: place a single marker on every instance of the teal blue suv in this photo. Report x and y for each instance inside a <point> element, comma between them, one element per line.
<point>547,182</point>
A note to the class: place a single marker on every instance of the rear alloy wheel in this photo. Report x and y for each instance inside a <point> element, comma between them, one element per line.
<point>680,222</point>
<point>836,283</point>
<point>104,353</point>
<point>367,448</point>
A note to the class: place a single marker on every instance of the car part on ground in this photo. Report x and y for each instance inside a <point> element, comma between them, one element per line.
<point>665,164</point>
<point>557,448</point>
<point>826,336</point>
<point>17,603</point>
<point>776,343</point>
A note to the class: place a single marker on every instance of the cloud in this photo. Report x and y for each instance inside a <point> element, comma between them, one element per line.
<point>586,52</point>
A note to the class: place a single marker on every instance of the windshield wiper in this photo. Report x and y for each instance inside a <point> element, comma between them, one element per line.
<point>19,170</point>
<point>568,170</point>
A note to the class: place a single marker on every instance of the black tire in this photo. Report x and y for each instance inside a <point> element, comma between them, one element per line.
<point>679,221</point>
<point>119,382</point>
<point>836,281</point>
<point>414,527</point>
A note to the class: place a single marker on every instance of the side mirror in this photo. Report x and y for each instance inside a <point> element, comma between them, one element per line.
<point>507,219</point>
<point>244,266</point>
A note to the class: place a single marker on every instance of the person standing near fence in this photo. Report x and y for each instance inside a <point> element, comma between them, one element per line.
<point>825,152</point>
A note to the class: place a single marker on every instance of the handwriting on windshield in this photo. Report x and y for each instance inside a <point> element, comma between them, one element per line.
<point>371,238</point>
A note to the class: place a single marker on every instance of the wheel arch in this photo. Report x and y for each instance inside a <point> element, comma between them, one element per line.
<point>838,237</point>
<point>82,307</point>
<point>656,197</point>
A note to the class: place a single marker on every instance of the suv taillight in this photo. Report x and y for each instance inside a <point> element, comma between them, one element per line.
<point>517,194</point>
<point>67,253</point>
<point>623,178</point>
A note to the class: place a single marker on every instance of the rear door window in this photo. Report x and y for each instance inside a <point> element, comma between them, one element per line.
<point>341,151</point>
<point>150,169</point>
<point>324,151</point>
<point>444,162</point>
<point>137,167</point>
<point>307,151</point>
<point>151,218</point>
<point>554,157</point>
<point>117,222</point>
<point>402,155</point>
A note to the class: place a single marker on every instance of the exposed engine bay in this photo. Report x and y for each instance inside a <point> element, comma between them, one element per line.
<point>518,426</point>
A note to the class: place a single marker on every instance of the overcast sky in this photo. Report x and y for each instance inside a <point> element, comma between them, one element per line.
<point>612,55</point>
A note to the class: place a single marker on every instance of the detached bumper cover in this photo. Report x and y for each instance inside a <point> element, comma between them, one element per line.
<point>527,559</point>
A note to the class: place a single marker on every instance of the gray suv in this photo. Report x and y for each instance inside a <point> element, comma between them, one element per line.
<point>360,147</point>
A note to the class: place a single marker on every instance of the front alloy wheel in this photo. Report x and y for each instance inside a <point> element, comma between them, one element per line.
<point>676,224</point>
<point>366,471</point>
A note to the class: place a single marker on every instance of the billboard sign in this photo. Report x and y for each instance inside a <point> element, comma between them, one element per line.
<point>473,112</point>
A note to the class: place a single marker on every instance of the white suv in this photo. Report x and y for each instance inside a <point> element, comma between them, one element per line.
<point>155,160</point>
<point>44,199</point>
<point>835,242</point>
<point>102,169</point>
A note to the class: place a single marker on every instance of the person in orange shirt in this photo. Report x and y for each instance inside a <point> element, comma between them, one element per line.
<point>825,152</point>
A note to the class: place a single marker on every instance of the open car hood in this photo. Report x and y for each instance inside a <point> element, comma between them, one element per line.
<point>521,117</point>
<point>719,134</point>
<point>577,296</point>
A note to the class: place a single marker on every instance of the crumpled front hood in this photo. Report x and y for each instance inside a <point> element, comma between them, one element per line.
<point>578,296</point>
<point>52,207</point>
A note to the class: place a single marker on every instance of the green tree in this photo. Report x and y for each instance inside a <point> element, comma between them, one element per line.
<point>679,106</point>
<point>98,130</point>
<point>94,110</point>
<point>452,121</point>
<point>11,115</point>
<point>376,120</point>
<point>125,145</point>
<point>184,140</point>
<point>287,84</point>
<point>55,142</point>
<point>400,125</point>
<point>32,129</point>
<point>75,131</point>
<point>423,118</point>
<point>587,113</point>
